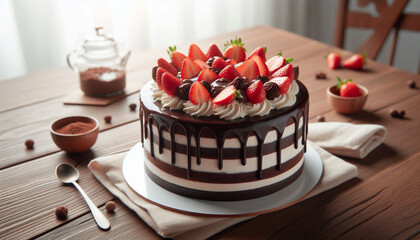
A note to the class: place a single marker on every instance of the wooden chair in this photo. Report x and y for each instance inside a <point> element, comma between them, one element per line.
<point>390,16</point>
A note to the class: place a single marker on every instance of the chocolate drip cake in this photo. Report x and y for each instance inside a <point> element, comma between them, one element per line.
<point>233,135</point>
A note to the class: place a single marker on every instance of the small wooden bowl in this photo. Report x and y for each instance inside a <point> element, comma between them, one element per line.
<point>74,143</point>
<point>347,105</point>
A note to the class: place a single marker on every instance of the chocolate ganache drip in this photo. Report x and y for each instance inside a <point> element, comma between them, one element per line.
<point>152,113</point>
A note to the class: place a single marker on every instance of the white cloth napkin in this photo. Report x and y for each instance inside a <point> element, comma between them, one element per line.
<point>347,139</point>
<point>108,170</point>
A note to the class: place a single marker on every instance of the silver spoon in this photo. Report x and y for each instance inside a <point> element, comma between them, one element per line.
<point>68,174</point>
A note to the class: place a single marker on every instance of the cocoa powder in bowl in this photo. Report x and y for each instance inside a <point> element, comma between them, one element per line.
<point>76,128</point>
<point>75,134</point>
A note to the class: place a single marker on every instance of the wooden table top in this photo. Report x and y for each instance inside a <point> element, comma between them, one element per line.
<point>383,202</point>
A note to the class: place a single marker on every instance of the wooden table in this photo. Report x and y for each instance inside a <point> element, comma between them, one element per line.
<point>382,203</point>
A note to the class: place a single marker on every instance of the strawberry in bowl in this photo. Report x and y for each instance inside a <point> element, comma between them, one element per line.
<point>347,97</point>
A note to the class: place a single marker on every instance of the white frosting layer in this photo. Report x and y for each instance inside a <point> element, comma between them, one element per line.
<point>230,166</point>
<point>231,111</point>
<point>226,187</point>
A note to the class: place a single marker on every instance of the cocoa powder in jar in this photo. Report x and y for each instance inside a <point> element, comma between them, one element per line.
<point>102,81</point>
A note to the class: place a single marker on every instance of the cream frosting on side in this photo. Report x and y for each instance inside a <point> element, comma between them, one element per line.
<point>231,111</point>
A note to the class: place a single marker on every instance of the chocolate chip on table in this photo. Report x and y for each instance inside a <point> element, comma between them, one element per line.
<point>108,118</point>
<point>61,212</point>
<point>411,84</point>
<point>29,143</point>
<point>320,118</point>
<point>133,106</point>
<point>321,75</point>
<point>395,114</point>
<point>110,206</point>
<point>402,114</point>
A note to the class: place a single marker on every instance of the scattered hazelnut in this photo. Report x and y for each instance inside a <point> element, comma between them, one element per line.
<point>61,212</point>
<point>320,118</point>
<point>110,206</point>
<point>321,75</point>
<point>29,143</point>
<point>133,106</point>
<point>411,84</point>
<point>108,118</point>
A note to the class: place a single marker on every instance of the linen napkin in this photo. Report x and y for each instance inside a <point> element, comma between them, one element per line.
<point>108,170</point>
<point>347,139</point>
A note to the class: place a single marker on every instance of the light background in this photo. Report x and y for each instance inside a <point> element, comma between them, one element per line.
<point>35,35</point>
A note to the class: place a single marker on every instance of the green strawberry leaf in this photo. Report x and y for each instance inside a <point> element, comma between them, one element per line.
<point>237,95</point>
<point>289,60</point>
<point>363,57</point>
<point>280,54</point>
<point>265,49</point>
<point>170,51</point>
<point>236,42</point>
<point>340,82</point>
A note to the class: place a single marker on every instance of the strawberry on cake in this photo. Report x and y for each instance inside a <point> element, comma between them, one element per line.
<point>224,126</point>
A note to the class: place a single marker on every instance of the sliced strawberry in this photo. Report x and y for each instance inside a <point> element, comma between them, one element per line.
<point>170,84</point>
<point>235,50</point>
<point>207,75</point>
<point>355,62</point>
<point>262,67</point>
<point>159,72</point>
<point>259,51</point>
<point>229,72</point>
<point>283,83</point>
<point>286,71</point>
<point>198,93</point>
<point>232,62</point>
<point>249,69</point>
<point>177,59</point>
<point>277,62</point>
<point>219,63</point>
<point>201,64</point>
<point>189,69</point>
<point>195,53</point>
<point>167,66</point>
<point>213,51</point>
<point>226,96</point>
<point>256,92</point>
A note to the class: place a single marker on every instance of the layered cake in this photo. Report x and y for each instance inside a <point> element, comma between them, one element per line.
<point>224,126</point>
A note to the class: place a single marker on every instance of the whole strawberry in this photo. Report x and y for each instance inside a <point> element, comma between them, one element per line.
<point>333,60</point>
<point>355,62</point>
<point>348,88</point>
<point>235,50</point>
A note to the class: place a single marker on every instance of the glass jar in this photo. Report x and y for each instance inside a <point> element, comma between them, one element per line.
<point>100,62</point>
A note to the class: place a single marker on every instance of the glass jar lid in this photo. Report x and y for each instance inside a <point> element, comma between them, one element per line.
<point>100,46</point>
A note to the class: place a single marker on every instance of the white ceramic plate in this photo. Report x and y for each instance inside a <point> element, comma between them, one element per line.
<point>138,180</point>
